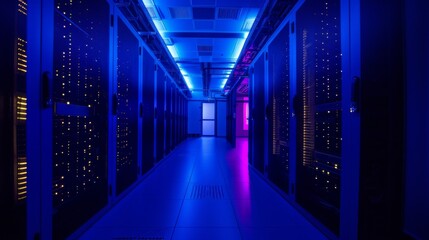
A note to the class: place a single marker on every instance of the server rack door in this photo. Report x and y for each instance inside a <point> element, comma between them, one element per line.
<point>148,111</point>
<point>382,116</point>
<point>184,113</point>
<point>183,117</point>
<point>160,81</point>
<point>351,139</point>
<point>177,120</point>
<point>178,112</point>
<point>182,133</point>
<point>173,117</point>
<point>13,118</point>
<point>259,114</point>
<point>228,118</point>
<point>181,114</point>
<point>278,110</point>
<point>164,113</point>
<point>168,145</point>
<point>80,87</point>
<point>127,107</point>
<point>180,117</point>
<point>318,106</point>
<point>251,149</point>
<point>233,117</point>
<point>39,130</point>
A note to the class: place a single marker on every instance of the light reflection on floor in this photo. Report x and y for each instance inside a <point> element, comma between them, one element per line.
<point>203,190</point>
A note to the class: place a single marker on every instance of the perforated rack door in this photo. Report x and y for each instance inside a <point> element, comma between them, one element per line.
<point>80,86</point>
<point>160,114</point>
<point>319,102</point>
<point>148,111</point>
<point>279,113</point>
<point>127,109</point>
<point>258,114</point>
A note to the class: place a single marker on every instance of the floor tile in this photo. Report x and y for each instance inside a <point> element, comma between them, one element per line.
<point>206,234</point>
<point>253,213</point>
<point>142,213</point>
<point>207,213</point>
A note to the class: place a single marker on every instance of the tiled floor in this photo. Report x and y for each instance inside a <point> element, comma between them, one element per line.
<point>204,190</point>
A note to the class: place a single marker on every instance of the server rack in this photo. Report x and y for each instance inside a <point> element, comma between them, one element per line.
<point>160,111</point>
<point>148,111</point>
<point>13,118</point>
<point>228,119</point>
<point>179,118</point>
<point>168,117</point>
<point>320,110</point>
<point>251,120</point>
<point>378,98</point>
<point>85,139</point>
<point>184,114</point>
<point>173,116</point>
<point>336,130</point>
<point>278,113</point>
<point>258,114</point>
<point>302,90</point>
<point>231,117</point>
<point>79,97</point>
<point>127,107</point>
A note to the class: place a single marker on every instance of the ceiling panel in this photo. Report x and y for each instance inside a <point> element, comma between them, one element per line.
<point>204,31</point>
<point>228,13</point>
<point>179,25</point>
<point>180,12</point>
<point>204,25</point>
<point>203,2</point>
<point>203,12</point>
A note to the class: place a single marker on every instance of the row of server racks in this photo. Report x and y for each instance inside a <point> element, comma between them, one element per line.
<point>320,134</point>
<point>86,111</point>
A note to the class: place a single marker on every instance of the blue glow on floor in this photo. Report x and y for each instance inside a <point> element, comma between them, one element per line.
<point>204,190</point>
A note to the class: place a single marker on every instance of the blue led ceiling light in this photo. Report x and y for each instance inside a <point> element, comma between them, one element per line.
<point>237,51</point>
<point>224,82</point>
<point>173,51</point>
<point>187,78</point>
<point>160,27</point>
<point>232,66</point>
<point>225,37</point>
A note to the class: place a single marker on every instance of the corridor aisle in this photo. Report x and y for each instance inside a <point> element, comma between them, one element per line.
<point>203,190</point>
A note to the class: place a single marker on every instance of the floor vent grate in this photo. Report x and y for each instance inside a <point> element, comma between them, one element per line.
<point>207,192</point>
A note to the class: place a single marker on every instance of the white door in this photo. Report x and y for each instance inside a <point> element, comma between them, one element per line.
<point>209,119</point>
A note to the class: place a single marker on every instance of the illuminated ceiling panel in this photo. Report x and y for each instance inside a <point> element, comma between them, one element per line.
<point>204,37</point>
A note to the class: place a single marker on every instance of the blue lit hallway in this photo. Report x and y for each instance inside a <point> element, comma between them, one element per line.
<point>203,190</point>
<point>214,119</point>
